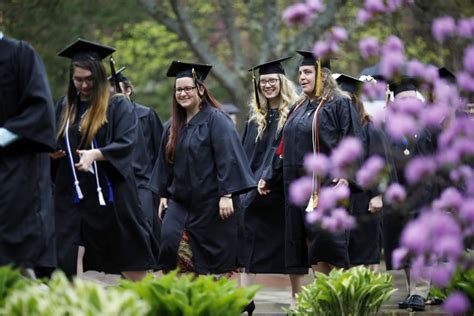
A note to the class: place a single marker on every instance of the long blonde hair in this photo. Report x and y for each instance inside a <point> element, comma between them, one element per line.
<point>287,97</point>
<point>96,116</point>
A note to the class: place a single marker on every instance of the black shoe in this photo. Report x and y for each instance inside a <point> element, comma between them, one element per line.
<point>417,303</point>
<point>249,308</point>
<point>406,303</point>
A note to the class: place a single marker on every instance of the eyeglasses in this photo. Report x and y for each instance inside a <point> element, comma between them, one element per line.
<point>80,81</point>
<point>185,89</point>
<point>271,82</point>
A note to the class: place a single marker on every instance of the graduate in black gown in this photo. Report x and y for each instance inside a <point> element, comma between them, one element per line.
<point>96,198</point>
<point>365,240</point>
<point>201,171</point>
<point>146,151</point>
<point>306,245</point>
<point>395,219</point>
<point>27,134</point>
<point>264,215</point>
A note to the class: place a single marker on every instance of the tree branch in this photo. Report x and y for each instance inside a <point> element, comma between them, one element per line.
<point>233,35</point>
<point>271,26</point>
<point>152,7</point>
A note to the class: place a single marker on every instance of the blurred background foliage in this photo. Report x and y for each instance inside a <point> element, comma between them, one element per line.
<point>231,35</point>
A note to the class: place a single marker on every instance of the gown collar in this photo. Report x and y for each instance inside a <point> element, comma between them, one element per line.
<point>202,116</point>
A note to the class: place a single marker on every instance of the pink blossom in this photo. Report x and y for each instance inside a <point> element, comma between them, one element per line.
<point>338,221</point>
<point>393,44</point>
<point>399,125</point>
<point>433,116</point>
<point>468,59</point>
<point>398,257</point>
<point>466,211</point>
<point>363,16</point>
<point>374,6</point>
<point>441,274</point>
<point>419,168</point>
<point>314,216</point>
<point>369,172</point>
<point>391,63</point>
<point>374,90</point>
<point>442,28</point>
<point>369,47</point>
<point>395,193</point>
<point>466,27</point>
<point>315,6</point>
<point>465,81</point>
<point>322,49</point>
<point>341,192</point>
<point>447,158</point>
<point>450,200</point>
<point>416,237</point>
<point>345,155</point>
<point>431,73</point>
<point>339,34</point>
<point>461,173</point>
<point>449,246</point>
<point>297,13</point>
<point>464,147</point>
<point>410,105</point>
<point>415,68</point>
<point>317,163</point>
<point>457,303</point>
<point>301,190</point>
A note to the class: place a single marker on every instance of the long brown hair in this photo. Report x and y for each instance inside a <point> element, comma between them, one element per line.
<point>178,118</point>
<point>96,115</point>
<point>364,117</point>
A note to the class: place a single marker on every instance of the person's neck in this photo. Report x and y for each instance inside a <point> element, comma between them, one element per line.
<point>274,103</point>
<point>191,112</point>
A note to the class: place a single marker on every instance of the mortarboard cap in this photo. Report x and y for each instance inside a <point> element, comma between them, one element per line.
<point>310,60</point>
<point>179,70</point>
<point>119,75</point>
<point>348,83</point>
<point>404,84</point>
<point>446,74</point>
<point>271,67</point>
<point>82,49</point>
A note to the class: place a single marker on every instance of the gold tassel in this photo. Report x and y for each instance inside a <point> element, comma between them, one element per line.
<point>318,79</point>
<point>387,94</point>
<point>255,91</point>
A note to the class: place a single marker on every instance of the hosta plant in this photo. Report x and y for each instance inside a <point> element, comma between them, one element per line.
<point>189,295</point>
<point>354,292</point>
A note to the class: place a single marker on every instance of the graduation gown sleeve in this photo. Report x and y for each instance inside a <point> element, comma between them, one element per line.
<point>234,175</point>
<point>30,113</point>
<point>119,148</point>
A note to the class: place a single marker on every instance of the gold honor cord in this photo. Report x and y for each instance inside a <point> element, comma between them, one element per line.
<point>194,76</point>
<point>255,91</point>
<point>317,91</point>
<point>387,94</point>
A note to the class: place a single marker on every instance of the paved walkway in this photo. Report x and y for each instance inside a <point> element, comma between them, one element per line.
<point>276,294</point>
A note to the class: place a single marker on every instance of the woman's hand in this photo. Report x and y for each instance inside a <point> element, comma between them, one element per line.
<point>226,207</point>
<point>375,204</point>
<point>57,154</point>
<point>262,187</point>
<point>162,207</point>
<point>87,157</point>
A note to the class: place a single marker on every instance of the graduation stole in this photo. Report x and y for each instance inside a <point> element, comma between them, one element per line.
<point>313,201</point>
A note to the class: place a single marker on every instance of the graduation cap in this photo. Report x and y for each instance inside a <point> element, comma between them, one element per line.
<point>271,67</point>
<point>446,74</point>
<point>372,71</point>
<point>119,76</point>
<point>82,49</point>
<point>310,60</point>
<point>404,84</point>
<point>180,69</point>
<point>348,83</point>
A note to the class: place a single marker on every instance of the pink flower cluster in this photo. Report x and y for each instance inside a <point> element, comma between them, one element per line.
<point>373,8</point>
<point>393,57</point>
<point>302,13</point>
<point>445,27</point>
<point>330,46</point>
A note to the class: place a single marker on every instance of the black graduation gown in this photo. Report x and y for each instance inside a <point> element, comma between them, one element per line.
<point>337,119</point>
<point>365,241</point>
<point>263,216</point>
<point>149,134</point>
<point>26,109</point>
<point>209,163</point>
<point>115,236</point>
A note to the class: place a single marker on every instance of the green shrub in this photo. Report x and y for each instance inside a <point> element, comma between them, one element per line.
<point>354,292</point>
<point>191,296</point>
<point>81,298</point>
<point>10,280</point>
<point>462,281</point>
